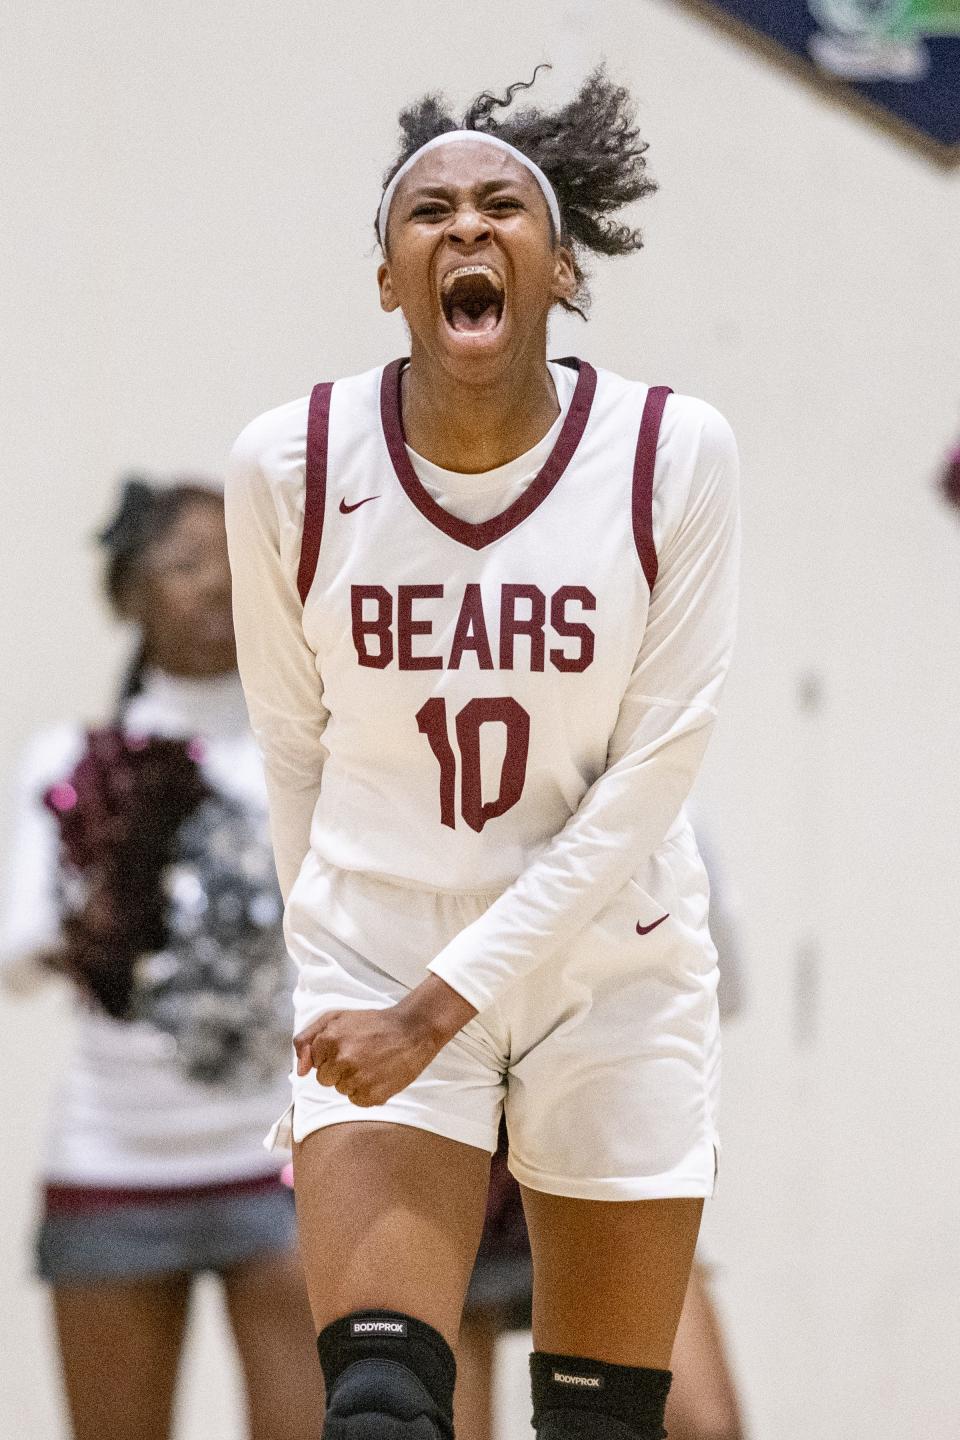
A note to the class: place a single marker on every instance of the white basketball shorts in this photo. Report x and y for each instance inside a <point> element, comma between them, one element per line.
<point>606,1059</point>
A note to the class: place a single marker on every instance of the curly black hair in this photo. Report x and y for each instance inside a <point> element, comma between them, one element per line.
<point>589,149</point>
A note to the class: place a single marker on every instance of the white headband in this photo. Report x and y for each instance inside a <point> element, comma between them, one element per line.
<point>449,137</point>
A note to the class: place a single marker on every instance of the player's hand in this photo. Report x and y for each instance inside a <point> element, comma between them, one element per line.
<point>369,1055</point>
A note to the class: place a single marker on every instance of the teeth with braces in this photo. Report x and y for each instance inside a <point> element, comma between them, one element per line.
<point>449,278</point>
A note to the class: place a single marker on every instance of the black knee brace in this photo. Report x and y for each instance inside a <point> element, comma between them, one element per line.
<point>388,1377</point>
<point>578,1399</point>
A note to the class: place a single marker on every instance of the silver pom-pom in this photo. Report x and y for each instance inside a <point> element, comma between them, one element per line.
<point>220,988</point>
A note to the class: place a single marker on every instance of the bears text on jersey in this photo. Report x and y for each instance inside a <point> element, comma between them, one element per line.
<point>395,627</point>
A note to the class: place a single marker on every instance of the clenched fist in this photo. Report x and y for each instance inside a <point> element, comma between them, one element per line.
<point>369,1055</point>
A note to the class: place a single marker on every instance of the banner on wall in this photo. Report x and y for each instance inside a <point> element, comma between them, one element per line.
<point>900,58</point>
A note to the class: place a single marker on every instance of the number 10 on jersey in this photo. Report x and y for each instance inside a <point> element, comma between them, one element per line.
<point>503,710</point>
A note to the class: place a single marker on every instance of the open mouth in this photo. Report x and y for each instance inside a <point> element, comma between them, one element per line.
<point>472,298</point>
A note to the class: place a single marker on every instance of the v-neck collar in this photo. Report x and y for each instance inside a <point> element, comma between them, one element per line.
<point>476,536</point>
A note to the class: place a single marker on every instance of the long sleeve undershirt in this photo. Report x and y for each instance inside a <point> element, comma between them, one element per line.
<point>278,669</point>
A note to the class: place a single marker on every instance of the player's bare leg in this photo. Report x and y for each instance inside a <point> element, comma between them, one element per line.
<point>390,1221</point>
<point>610,1277</point>
<point>406,1209</point>
<point>609,1285</point>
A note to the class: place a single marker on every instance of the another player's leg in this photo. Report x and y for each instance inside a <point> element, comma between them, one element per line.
<point>120,1345</point>
<point>609,1284</point>
<point>390,1220</point>
<point>270,1318</point>
<point>473,1407</point>
<point>703,1398</point>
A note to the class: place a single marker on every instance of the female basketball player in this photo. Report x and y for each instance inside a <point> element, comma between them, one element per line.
<point>484,607</point>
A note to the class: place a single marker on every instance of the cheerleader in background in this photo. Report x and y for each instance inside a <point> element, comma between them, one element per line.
<point>141,870</point>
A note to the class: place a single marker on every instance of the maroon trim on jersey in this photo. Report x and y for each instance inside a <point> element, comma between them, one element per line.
<point>61,1199</point>
<point>643,467</point>
<point>314,486</point>
<point>479,536</point>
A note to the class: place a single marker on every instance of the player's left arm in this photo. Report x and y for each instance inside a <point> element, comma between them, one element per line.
<point>664,723</point>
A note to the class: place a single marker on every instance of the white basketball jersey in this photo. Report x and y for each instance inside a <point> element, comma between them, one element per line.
<point>473,673</point>
<point>518,705</point>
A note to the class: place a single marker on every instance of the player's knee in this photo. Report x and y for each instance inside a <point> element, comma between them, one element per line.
<point>579,1399</point>
<point>381,1400</point>
<point>388,1377</point>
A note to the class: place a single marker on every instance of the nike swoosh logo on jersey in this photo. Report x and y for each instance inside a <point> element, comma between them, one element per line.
<point>645,929</point>
<point>346,509</point>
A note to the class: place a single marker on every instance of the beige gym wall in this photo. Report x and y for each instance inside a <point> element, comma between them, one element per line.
<point>187,240</point>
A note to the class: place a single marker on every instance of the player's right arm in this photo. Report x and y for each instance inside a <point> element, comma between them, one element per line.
<point>281,682</point>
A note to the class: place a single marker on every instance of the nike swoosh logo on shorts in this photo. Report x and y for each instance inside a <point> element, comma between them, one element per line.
<point>346,509</point>
<point>645,929</point>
